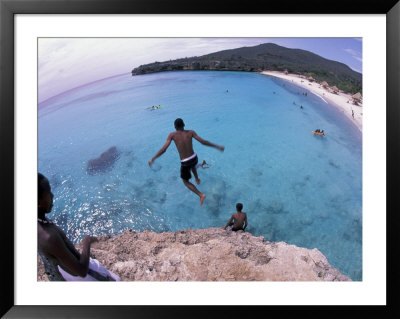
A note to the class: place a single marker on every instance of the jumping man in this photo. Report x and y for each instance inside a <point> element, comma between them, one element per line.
<point>184,145</point>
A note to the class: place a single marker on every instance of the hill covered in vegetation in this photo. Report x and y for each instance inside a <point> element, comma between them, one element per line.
<point>263,57</point>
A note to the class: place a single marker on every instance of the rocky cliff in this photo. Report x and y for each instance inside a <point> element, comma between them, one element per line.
<point>211,254</point>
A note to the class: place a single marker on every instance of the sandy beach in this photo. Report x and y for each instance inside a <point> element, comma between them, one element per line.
<point>342,101</point>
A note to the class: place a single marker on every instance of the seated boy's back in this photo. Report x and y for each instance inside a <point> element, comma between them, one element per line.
<point>238,220</point>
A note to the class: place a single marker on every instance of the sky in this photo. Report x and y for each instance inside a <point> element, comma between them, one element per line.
<point>67,63</point>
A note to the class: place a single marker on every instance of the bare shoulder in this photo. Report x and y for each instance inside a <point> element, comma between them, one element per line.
<point>43,234</point>
<point>49,238</point>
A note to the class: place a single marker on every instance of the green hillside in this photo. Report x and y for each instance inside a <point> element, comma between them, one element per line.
<point>267,56</point>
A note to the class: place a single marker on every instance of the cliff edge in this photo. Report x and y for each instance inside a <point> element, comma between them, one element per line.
<point>211,254</point>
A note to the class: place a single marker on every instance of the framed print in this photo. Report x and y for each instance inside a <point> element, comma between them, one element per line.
<point>32,30</point>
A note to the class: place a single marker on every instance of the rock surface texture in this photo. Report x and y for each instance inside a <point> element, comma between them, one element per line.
<point>211,254</point>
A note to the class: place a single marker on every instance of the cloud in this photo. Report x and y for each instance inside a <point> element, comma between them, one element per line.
<point>355,54</point>
<point>351,51</point>
<point>66,63</point>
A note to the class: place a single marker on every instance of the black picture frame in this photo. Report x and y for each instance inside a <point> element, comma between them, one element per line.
<point>8,10</point>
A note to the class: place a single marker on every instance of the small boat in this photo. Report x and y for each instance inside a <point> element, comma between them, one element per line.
<point>319,133</point>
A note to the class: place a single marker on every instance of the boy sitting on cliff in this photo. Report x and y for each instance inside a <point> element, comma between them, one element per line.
<point>55,246</point>
<point>237,219</point>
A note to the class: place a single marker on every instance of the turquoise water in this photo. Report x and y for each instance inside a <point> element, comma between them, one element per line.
<point>299,188</point>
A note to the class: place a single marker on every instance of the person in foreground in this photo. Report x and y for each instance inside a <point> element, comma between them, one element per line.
<point>239,219</point>
<point>54,244</point>
<point>183,141</point>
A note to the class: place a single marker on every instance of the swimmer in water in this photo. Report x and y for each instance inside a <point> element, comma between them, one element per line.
<point>203,165</point>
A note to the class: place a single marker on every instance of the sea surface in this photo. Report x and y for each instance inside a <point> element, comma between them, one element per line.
<point>295,186</point>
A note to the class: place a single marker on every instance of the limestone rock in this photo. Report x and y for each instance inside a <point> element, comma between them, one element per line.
<point>47,270</point>
<point>211,254</point>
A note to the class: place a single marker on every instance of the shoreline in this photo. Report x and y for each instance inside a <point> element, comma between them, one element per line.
<point>337,100</point>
